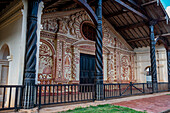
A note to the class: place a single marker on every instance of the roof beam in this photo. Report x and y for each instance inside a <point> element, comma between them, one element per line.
<point>133,3</point>
<point>147,38</point>
<point>131,9</point>
<point>149,3</point>
<point>138,39</point>
<point>65,6</point>
<point>88,9</point>
<point>48,5</point>
<point>139,24</point>
<point>115,14</point>
<point>4,2</point>
<point>131,26</point>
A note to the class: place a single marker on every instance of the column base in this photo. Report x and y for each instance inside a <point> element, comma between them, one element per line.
<point>29,92</point>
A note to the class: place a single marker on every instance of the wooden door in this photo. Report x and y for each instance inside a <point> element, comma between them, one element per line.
<point>87,69</point>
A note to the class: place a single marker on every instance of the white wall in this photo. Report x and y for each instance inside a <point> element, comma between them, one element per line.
<point>143,60</point>
<point>11,35</point>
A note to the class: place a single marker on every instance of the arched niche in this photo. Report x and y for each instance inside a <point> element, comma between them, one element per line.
<point>4,52</point>
<point>4,64</point>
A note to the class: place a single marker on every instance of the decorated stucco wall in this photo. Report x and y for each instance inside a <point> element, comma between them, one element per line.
<point>62,42</point>
<point>142,61</point>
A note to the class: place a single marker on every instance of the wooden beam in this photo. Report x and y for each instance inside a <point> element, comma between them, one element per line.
<point>140,24</point>
<point>139,39</point>
<point>131,26</point>
<point>115,14</point>
<point>149,3</point>
<point>48,5</point>
<point>131,9</point>
<point>68,5</point>
<point>148,38</point>
<point>4,2</point>
<point>88,9</point>
<point>133,3</point>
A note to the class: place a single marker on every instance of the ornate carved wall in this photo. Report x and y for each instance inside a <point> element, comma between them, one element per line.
<point>62,43</point>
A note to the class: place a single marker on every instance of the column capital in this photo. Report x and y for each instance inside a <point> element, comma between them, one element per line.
<point>168,49</point>
<point>153,22</point>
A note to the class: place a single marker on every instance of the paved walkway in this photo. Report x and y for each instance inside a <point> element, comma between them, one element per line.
<point>152,103</point>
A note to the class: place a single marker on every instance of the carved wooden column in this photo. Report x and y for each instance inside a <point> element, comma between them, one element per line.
<point>168,65</point>
<point>30,56</point>
<point>99,53</point>
<point>153,58</point>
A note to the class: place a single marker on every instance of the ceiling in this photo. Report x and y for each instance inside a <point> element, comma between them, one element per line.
<point>129,17</point>
<point>4,3</point>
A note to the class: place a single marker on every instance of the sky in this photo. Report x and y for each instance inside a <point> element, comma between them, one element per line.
<point>166,4</point>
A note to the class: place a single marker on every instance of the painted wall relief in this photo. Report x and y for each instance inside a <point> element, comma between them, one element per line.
<point>45,74</point>
<point>125,68</point>
<point>64,68</point>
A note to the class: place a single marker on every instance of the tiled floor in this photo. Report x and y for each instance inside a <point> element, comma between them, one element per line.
<point>152,103</point>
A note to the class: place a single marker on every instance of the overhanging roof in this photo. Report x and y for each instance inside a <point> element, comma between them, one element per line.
<point>129,17</point>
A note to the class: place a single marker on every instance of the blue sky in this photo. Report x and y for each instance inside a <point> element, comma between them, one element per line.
<point>165,3</point>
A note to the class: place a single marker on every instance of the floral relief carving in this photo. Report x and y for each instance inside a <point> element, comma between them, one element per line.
<point>125,68</point>
<point>45,63</point>
<point>50,25</point>
<point>75,23</point>
<point>63,26</point>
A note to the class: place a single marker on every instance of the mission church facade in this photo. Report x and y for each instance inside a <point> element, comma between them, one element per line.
<point>61,48</point>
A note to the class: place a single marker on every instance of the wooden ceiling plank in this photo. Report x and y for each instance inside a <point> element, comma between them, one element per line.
<point>133,3</point>
<point>131,26</point>
<point>115,14</point>
<point>139,39</point>
<point>131,9</point>
<point>48,5</point>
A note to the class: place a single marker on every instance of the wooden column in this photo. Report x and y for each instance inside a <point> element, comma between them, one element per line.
<point>99,53</point>
<point>153,58</point>
<point>168,65</point>
<point>30,55</point>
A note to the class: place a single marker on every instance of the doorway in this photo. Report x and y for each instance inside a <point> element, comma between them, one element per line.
<point>87,69</point>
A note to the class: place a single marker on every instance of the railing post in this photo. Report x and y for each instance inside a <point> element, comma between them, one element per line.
<point>153,57</point>
<point>39,104</point>
<point>131,88</point>
<point>168,65</point>
<point>93,92</point>
<point>16,99</point>
<point>104,91</point>
<point>143,88</point>
<point>30,56</point>
<point>99,52</point>
<point>120,90</point>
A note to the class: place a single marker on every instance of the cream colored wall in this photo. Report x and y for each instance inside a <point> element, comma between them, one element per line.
<point>143,60</point>
<point>11,35</point>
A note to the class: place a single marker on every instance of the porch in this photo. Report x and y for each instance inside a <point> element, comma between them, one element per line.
<point>12,96</point>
